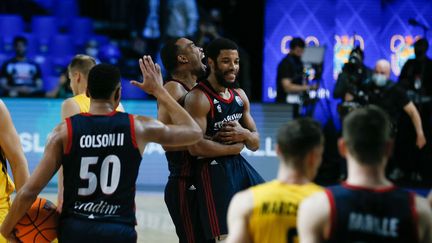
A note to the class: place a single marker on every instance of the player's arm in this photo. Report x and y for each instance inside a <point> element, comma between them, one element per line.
<point>41,176</point>
<point>313,218</point>
<point>239,211</point>
<point>412,112</point>
<point>184,130</point>
<point>291,87</point>
<point>198,106</point>
<point>246,132</point>
<point>424,223</point>
<point>11,145</point>
<point>177,91</point>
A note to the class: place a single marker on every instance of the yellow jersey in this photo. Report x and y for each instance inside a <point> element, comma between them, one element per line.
<point>274,215</point>
<point>84,103</point>
<point>6,188</point>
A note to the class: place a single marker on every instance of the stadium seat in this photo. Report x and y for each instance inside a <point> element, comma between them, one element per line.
<point>10,26</point>
<point>82,30</point>
<point>131,92</point>
<point>65,11</point>
<point>44,27</point>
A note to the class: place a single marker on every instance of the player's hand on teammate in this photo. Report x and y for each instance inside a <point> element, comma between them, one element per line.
<point>152,77</point>
<point>231,132</point>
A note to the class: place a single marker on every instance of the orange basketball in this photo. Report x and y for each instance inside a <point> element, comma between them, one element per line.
<point>39,224</point>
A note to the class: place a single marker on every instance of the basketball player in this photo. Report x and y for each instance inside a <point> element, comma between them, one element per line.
<point>367,207</point>
<point>78,71</point>
<point>183,61</point>
<point>10,150</point>
<point>101,152</point>
<point>268,212</point>
<point>223,113</point>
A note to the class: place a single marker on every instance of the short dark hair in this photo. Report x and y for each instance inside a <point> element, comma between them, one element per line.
<point>422,44</point>
<point>18,39</point>
<point>357,51</point>
<point>214,47</point>
<point>103,80</point>
<point>298,137</point>
<point>297,42</point>
<point>82,63</point>
<point>169,53</point>
<point>366,132</point>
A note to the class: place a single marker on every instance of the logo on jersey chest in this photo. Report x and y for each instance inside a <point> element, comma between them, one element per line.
<point>234,117</point>
<point>218,106</point>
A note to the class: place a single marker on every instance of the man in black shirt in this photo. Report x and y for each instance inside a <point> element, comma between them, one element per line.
<point>381,91</point>
<point>290,80</point>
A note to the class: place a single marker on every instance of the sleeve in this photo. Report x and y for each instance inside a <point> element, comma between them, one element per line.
<point>401,98</point>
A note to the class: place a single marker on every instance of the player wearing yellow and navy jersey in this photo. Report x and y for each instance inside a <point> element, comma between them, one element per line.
<point>10,149</point>
<point>274,214</point>
<point>268,212</point>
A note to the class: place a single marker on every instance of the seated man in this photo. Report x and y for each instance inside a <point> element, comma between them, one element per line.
<point>19,75</point>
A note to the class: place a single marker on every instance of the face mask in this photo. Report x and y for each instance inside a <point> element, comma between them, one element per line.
<point>379,79</point>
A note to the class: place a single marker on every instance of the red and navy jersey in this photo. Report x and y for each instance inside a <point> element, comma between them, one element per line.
<point>372,215</point>
<point>100,167</point>
<point>179,162</point>
<point>221,110</point>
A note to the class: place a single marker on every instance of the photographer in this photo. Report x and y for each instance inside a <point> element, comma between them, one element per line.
<point>353,76</point>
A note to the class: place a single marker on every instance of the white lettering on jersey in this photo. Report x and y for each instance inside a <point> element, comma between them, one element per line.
<point>102,140</point>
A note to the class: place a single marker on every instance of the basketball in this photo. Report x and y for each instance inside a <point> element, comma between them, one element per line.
<point>39,224</point>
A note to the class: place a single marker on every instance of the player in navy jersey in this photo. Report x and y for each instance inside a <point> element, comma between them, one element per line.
<point>100,152</point>
<point>367,207</point>
<point>183,61</point>
<point>223,114</point>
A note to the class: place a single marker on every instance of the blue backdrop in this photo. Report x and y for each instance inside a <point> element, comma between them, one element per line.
<point>380,27</point>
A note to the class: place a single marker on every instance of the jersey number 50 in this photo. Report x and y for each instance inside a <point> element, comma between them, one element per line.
<point>108,183</point>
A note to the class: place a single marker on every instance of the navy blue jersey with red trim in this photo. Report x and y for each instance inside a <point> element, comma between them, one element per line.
<point>221,110</point>
<point>100,167</point>
<point>372,215</point>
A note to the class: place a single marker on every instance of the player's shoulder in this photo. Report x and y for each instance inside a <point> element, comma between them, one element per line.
<point>196,97</point>
<point>422,206</point>
<point>243,199</point>
<point>175,89</point>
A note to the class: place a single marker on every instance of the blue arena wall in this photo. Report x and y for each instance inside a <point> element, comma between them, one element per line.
<point>35,118</point>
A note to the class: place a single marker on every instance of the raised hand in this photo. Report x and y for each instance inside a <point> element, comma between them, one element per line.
<point>152,77</point>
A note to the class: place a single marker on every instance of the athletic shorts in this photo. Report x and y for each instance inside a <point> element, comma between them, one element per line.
<point>75,230</point>
<point>181,201</point>
<point>217,180</point>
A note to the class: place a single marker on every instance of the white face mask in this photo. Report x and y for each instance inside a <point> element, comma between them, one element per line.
<point>380,80</point>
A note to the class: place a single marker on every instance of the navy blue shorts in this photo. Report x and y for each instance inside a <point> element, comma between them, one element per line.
<point>218,179</point>
<point>73,230</point>
<point>181,201</point>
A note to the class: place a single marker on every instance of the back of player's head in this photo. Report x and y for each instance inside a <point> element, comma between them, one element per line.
<point>103,79</point>
<point>366,132</point>
<point>82,64</point>
<point>298,137</point>
<point>169,53</point>
<point>217,45</point>
<point>297,42</point>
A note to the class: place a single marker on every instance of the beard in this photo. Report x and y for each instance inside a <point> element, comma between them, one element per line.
<point>221,79</point>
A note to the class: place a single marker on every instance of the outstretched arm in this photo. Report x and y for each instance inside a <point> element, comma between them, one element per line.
<point>184,130</point>
<point>11,145</point>
<point>43,173</point>
<point>198,107</point>
<point>239,211</point>
<point>412,112</point>
<point>243,132</point>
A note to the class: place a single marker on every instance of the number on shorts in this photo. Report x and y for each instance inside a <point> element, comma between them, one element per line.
<point>108,181</point>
